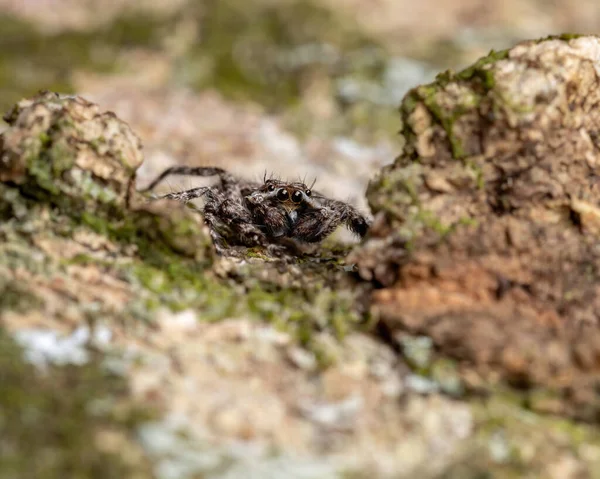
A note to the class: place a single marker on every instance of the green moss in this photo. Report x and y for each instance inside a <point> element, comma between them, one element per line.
<point>61,157</point>
<point>410,102</point>
<point>417,352</point>
<point>396,192</point>
<point>447,117</point>
<point>431,221</point>
<point>180,284</point>
<point>480,80</point>
<point>562,36</point>
<point>46,162</point>
<point>42,171</point>
<point>51,422</point>
<point>393,191</point>
<point>477,170</point>
<point>445,373</point>
<point>480,69</point>
<point>300,311</point>
<point>513,442</point>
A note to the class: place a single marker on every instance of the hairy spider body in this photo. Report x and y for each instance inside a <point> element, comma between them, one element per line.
<point>245,213</point>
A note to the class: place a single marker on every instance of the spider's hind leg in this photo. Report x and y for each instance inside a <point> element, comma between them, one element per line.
<point>227,180</point>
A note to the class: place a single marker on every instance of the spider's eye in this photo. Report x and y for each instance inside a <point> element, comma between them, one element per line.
<point>282,194</point>
<point>271,188</point>
<point>308,192</point>
<point>296,197</point>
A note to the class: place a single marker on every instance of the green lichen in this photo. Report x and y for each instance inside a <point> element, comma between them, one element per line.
<point>513,442</point>
<point>479,80</point>
<point>45,165</point>
<point>418,352</point>
<point>562,36</point>
<point>179,284</point>
<point>481,70</point>
<point>445,373</point>
<point>447,117</point>
<point>50,176</point>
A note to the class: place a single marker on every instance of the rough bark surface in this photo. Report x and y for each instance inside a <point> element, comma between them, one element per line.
<point>486,237</point>
<point>69,134</point>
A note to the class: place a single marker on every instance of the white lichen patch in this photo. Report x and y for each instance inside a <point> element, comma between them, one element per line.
<point>47,346</point>
<point>537,79</point>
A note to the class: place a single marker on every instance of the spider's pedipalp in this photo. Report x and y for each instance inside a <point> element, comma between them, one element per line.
<point>315,225</point>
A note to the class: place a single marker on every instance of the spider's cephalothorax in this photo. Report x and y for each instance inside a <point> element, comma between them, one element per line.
<point>243,213</point>
<point>276,204</point>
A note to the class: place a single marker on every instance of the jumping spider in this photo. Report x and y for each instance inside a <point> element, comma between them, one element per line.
<point>267,214</point>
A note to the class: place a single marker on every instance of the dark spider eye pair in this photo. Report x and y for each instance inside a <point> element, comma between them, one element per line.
<point>283,195</point>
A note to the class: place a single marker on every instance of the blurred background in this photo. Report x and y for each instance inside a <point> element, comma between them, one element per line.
<point>294,87</point>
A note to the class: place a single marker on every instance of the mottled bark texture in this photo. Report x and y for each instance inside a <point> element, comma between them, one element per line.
<point>62,153</point>
<point>59,140</point>
<point>487,224</point>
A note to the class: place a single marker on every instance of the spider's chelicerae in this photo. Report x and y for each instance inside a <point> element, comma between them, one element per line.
<point>245,213</point>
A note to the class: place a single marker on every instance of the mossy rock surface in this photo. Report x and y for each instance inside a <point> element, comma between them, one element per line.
<point>487,223</point>
<point>63,144</point>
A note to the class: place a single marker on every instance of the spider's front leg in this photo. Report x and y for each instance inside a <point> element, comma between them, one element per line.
<point>316,223</point>
<point>188,195</point>
<point>228,181</point>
